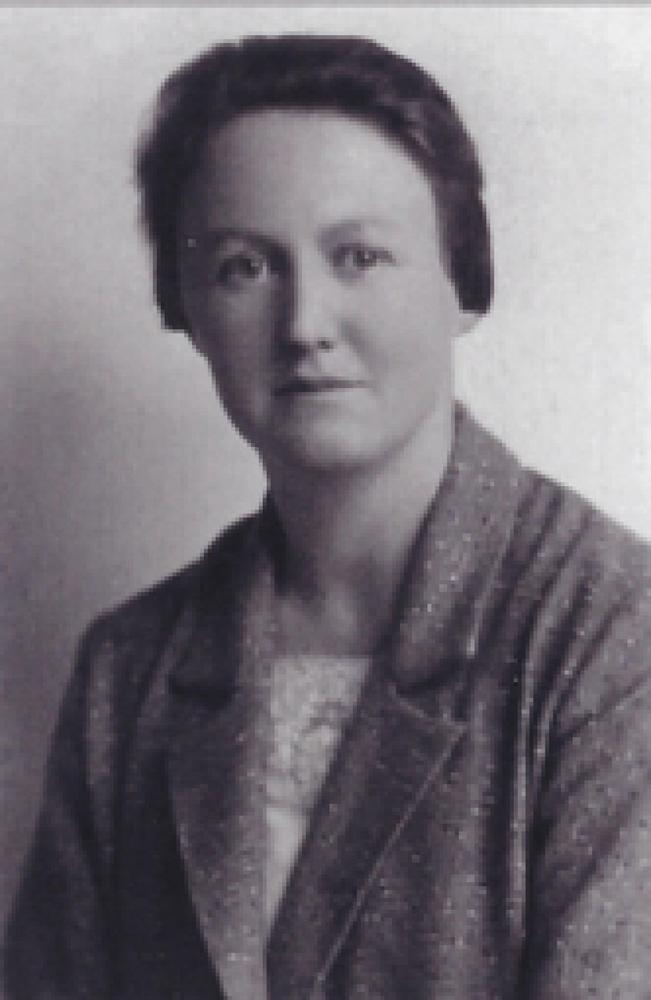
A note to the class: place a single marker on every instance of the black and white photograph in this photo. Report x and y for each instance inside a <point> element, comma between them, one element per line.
<point>326,553</point>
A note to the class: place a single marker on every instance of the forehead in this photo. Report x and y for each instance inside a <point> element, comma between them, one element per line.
<point>283,167</point>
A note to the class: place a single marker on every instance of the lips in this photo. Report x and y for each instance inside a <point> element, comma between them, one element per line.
<point>315,384</point>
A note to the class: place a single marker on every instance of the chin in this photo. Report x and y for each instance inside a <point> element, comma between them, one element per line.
<point>334,453</point>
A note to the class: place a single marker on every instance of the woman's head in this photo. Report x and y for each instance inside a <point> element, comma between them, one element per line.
<point>352,76</point>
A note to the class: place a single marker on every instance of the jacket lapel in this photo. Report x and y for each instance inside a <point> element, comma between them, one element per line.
<point>390,755</point>
<point>410,717</point>
<point>215,767</point>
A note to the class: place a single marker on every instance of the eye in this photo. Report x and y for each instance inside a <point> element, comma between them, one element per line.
<point>353,259</point>
<point>242,270</point>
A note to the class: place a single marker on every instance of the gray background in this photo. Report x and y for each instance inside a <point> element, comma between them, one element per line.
<point>120,465</point>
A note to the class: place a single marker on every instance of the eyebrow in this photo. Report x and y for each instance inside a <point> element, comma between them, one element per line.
<point>210,238</point>
<point>358,223</point>
<point>213,237</point>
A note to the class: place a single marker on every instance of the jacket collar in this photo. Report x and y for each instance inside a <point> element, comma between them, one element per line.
<point>408,720</point>
<point>450,575</point>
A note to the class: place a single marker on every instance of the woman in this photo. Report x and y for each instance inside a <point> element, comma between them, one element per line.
<point>388,737</point>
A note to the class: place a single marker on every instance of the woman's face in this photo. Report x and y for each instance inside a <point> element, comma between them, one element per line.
<point>313,283</point>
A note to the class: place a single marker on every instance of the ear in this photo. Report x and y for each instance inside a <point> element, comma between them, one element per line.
<point>467,321</point>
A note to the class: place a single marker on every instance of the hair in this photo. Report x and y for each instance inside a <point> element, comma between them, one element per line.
<point>354,76</point>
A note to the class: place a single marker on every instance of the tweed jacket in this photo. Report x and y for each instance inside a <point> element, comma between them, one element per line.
<point>484,830</point>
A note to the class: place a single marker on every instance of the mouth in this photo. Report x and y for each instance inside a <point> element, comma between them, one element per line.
<point>303,384</point>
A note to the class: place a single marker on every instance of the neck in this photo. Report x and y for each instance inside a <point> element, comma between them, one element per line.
<point>348,535</point>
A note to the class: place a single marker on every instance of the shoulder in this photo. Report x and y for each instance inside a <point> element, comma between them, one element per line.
<point>578,609</point>
<point>544,538</point>
<point>561,540</point>
<point>130,636</point>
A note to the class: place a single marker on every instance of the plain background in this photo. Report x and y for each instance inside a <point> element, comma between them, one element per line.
<point>120,464</point>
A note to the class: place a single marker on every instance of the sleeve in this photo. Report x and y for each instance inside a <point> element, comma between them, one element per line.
<point>58,941</point>
<point>589,891</point>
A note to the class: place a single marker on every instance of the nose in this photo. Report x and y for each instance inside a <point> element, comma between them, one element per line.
<point>310,320</point>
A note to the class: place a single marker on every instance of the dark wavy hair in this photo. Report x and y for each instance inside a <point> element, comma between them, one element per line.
<point>355,76</point>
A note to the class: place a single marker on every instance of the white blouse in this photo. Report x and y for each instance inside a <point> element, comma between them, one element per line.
<point>311,699</point>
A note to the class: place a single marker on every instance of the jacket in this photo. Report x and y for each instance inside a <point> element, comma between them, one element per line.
<point>484,830</point>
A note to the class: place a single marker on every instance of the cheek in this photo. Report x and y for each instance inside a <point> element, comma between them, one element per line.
<point>431,316</point>
<point>232,333</point>
<point>239,371</point>
<point>411,323</point>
